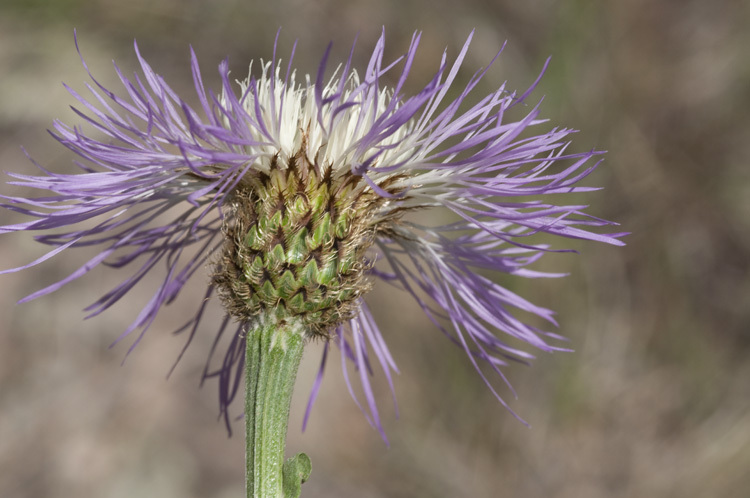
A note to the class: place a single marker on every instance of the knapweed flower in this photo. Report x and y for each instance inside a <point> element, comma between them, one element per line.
<point>300,194</point>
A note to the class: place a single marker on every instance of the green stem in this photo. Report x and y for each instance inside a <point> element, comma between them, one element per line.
<point>274,350</point>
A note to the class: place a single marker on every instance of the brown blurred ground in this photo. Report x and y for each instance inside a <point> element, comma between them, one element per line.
<point>654,403</point>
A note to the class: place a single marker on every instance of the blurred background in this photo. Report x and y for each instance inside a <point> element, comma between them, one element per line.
<point>655,402</point>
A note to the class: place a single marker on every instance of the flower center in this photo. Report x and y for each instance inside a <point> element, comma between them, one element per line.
<point>296,244</point>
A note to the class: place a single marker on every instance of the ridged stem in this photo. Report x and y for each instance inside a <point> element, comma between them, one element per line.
<point>273,354</point>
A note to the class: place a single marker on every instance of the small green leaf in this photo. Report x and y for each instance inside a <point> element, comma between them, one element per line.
<point>342,225</point>
<point>275,222</point>
<point>347,263</point>
<point>296,470</point>
<point>308,277</point>
<point>286,223</point>
<point>321,233</point>
<point>286,286</point>
<point>254,271</point>
<point>275,258</point>
<point>328,272</point>
<point>253,239</point>
<point>319,198</point>
<point>346,294</point>
<point>299,206</point>
<point>267,292</point>
<point>297,247</point>
<point>296,303</point>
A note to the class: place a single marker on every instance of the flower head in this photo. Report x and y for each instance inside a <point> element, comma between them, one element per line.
<point>298,196</point>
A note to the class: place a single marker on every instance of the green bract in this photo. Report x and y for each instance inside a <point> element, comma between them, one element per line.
<point>296,245</point>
